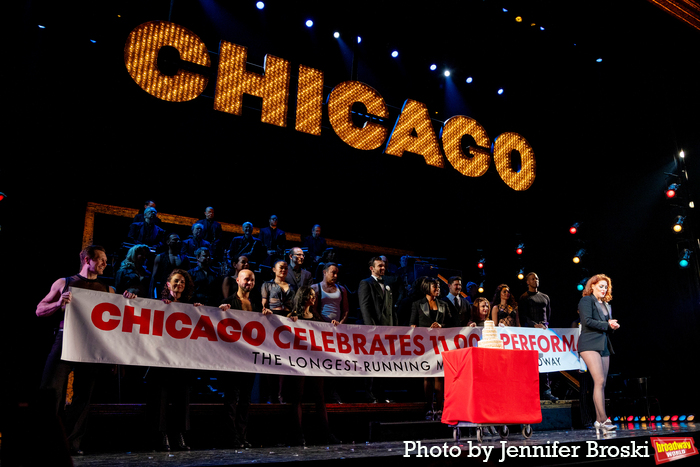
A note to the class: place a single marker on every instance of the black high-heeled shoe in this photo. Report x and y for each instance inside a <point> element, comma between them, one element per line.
<point>181,443</point>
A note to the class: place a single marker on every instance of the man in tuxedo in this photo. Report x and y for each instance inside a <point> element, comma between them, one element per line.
<point>375,298</point>
<point>376,306</point>
<point>459,307</point>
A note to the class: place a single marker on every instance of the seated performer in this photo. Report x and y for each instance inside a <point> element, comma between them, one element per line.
<point>195,241</point>
<point>147,232</point>
<point>165,262</point>
<point>212,233</point>
<point>133,276</point>
<point>315,246</point>
<point>204,279</point>
<point>247,245</point>
<point>274,239</point>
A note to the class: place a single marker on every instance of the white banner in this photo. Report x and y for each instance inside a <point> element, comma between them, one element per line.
<point>108,328</point>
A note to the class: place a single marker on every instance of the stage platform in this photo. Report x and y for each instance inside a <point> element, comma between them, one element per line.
<point>634,435</point>
<point>118,436</point>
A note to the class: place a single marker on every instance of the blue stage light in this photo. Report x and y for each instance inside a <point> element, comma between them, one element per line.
<point>500,91</point>
<point>336,35</point>
<point>447,73</point>
<point>359,39</point>
<point>599,60</point>
<point>309,23</point>
<point>433,67</point>
<point>41,26</point>
<point>470,79</point>
<point>395,53</point>
<point>260,5</point>
<point>684,258</point>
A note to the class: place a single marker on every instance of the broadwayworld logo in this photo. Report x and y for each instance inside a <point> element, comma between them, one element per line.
<point>671,449</point>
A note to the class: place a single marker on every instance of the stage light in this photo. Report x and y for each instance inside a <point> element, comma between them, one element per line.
<point>519,249</point>
<point>481,263</point>
<point>674,418</point>
<point>470,79</point>
<point>309,23</point>
<point>541,28</point>
<point>521,274</point>
<point>678,224</point>
<point>2,196</point>
<point>505,10</point>
<point>684,258</point>
<point>599,60</point>
<point>481,288</point>
<point>359,39</point>
<point>578,255</point>
<point>690,418</point>
<point>395,53</point>
<point>574,228</point>
<point>336,35</point>
<point>681,418</point>
<point>500,91</point>
<point>519,19</point>
<point>446,73</point>
<point>682,155</point>
<point>41,26</point>
<point>582,284</point>
<point>672,190</point>
<point>260,5</point>
<point>433,67</point>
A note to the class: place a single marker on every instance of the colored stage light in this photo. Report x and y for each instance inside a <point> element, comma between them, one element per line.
<point>599,60</point>
<point>395,53</point>
<point>690,418</point>
<point>481,288</point>
<point>521,274</point>
<point>578,255</point>
<point>2,196</point>
<point>433,67</point>
<point>470,79</point>
<point>309,23</point>
<point>481,263</point>
<point>674,418</point>
<point>519,249</point>
<point>359,39</point>
<point>500,91</point>
<point>684,258</point>
<point>672,190</point>
<point>682,418</point>
<point>678,224</point>
<point>574,228</point>
<point>260,5</point>
<point>630,418</point>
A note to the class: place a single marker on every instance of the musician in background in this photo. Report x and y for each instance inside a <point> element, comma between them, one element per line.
<point>247,245</point>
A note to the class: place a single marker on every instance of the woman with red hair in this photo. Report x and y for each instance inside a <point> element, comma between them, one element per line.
<point>594,342</point>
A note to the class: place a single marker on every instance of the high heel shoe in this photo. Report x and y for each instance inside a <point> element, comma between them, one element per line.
<point>605,427</point>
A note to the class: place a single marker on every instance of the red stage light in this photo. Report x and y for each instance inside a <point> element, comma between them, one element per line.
<point>572,230</point>
<point>480,265</point>
<point>670,193</point>
<point>519,251</point>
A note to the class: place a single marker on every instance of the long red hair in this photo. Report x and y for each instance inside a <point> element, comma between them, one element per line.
<point>593,281</point>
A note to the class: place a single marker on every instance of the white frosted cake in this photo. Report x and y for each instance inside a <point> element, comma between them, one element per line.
<point>489,337</point>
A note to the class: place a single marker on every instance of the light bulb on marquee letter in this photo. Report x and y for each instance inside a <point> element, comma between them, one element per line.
<point>340,102</point>
<point>234,80</point>
<point>503,148</point>
<point>415,117</point>
<point>309,101</point>
<point>474,164</point>
<point>141,59</point>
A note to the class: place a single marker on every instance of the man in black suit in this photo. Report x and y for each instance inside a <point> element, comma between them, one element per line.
<point>274,239</point>
<point>376,303</point>
<point>377,309</point>
<point>459,307</point>
<point>147,232</point>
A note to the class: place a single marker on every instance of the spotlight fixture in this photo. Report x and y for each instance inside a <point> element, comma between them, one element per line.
<point>521,274</point>
<point>2,196</point>
<point>582,284</point>
<point>433,67</point>
<point>672,190</point>
<point>684,258</point>
<point>481,263</point>
<point>260,5</point>
<point>574,228</point>
<point>395,53</point>
<point>446,73</point>
<point>599,60</point>
<point>678,224</point>
<point>519,249</point>
<point>336,34</point>
<point>309,23</point>
<point>682,155</point>
<point>578,255</point>
<point>470,79</point>
<point>500,91</point>
<point>359,39</point>
<point>481,288</point>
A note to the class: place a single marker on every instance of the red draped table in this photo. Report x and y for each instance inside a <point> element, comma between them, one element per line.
<point>491,386</point>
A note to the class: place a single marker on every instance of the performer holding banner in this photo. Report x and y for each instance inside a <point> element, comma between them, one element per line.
<point>93,260</point>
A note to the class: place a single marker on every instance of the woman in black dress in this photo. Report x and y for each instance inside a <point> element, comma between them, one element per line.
<point>594,342</point>
<point>504,308</point>
<point>431,312</point>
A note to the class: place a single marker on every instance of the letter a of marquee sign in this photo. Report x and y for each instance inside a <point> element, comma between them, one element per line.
<point>412,132</point>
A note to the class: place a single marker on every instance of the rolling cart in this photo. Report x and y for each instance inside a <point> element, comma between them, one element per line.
<point>491,387</point>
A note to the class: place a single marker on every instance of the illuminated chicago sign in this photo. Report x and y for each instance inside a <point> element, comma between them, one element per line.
<point>412,132</point>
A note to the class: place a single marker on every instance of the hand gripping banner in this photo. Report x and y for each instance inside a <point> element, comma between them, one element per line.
<point>108,328</point>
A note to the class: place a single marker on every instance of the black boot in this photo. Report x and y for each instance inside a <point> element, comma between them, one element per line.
<point>181,442</point>
<point>163,444</point>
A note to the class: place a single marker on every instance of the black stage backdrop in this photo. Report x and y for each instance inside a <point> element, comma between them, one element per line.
<point>605,134</point>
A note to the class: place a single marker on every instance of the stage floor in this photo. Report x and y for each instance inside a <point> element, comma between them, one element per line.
<point>592,448</point>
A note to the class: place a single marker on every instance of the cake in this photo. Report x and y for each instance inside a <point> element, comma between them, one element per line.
<point>489,337</point>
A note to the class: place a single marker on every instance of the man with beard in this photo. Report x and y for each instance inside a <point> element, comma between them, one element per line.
<point>296,275</point>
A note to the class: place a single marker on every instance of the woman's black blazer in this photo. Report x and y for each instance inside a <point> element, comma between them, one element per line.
<point>594,326</point>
